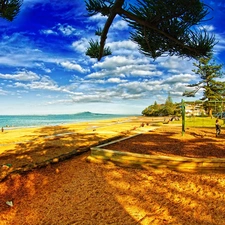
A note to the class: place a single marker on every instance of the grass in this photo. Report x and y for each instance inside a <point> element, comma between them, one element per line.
<point>200,122</point>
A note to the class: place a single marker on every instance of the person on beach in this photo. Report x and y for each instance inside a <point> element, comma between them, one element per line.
<point>218,128</point>
<point>2,129</point>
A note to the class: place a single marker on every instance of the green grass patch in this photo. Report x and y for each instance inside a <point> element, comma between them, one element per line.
<point>199,122</point>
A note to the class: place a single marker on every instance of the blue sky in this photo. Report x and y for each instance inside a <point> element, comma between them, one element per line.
<point>44,69</point>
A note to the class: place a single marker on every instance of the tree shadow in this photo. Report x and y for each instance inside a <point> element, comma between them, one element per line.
<point>106,194</point>
<point>102,194</point>
<point>47,145</point>
<point>168,197</point>
<point>202,144</point>
<point>83,196</point>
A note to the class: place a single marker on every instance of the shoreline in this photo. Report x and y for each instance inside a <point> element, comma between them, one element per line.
<point>8,127</point>
<point>16,134</point>
<point>23,121</point>
<point>28,148</point>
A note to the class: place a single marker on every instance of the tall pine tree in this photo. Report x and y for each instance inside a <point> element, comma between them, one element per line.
<point>213,88</point>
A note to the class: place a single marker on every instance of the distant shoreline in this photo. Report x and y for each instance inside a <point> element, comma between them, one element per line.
<point>31,121</point>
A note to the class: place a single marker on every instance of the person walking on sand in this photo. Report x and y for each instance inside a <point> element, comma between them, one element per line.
<point>218,128</point>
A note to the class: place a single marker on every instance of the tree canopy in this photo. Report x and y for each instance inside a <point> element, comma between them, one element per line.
<point>213,88</point>
<point>10,8</point>
<point>209,72</point>
<point>169,108</point>
<point>159,27</point>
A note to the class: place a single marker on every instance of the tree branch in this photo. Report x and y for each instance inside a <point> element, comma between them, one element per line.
<point>113,12</point>
<point>153,27</point>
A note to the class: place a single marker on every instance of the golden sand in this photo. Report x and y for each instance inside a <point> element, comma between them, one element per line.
<point>26,148</point>
<point>76,192</point>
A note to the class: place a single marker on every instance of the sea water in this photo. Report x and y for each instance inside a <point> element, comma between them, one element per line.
<point>15,121</point>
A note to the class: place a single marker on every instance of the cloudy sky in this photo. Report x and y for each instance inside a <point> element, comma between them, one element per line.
<point>44,69</point>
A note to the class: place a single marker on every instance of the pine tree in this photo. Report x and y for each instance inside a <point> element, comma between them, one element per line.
<point>213,88</point>
<point>159,27</point>
<point>10,8</point>
<point>169,107</point>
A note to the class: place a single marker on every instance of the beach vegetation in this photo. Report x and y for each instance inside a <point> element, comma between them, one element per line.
<point>166,109</point>
<point>200,121</point>
<point>159,27</point>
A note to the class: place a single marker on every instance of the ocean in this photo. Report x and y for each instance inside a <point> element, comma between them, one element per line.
<point>16,121</point>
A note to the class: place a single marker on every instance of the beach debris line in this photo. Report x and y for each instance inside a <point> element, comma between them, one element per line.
<point>6,166</point>
<point>9,203</point>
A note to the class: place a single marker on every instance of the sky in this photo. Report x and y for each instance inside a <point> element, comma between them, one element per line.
<point>44,69</point>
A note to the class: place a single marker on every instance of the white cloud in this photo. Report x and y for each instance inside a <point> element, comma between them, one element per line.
<point>97,17</point>
<point>2,92</point>
<point>67,30</point>
<point>64,29</point>
<point>43,83</point>
<point>90,98</point>
<point>181,78</point>
<point>143,73</point>
<point>220,46</point>
<point>72,66</point>
<point>208,28</point>
<point>116,80</point>
<point>175,64</point>
<point>95,75</point>
<point>49,32</point>
<point>126,44</point>
<point>137,86</point>
<point>120,25</point>
<point>21,76</point>
<point>43,67</point>
<point>121,66</point>
<point>81,45</point>
<point>116,61</point>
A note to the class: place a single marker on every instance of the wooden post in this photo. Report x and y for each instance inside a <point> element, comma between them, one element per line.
<point>183,116</point>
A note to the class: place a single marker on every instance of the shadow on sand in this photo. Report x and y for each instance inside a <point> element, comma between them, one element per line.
<point>47,145</point>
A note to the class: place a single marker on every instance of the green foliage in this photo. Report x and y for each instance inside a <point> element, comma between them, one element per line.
<point>152,110</point>
<point>213,88</point>
<point>10,8</point>
<point>98,32</point>
<point>195,121</point>
<point>93,50</point>
<point>159,27</point>
<point>169,31</point>
<point>169,108</point>
<point>95,6</point>
<point>201,122</point>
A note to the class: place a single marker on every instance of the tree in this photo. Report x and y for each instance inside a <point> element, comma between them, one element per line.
<point>160,27</point>
<point>10,8</point>
<point>169,107</point>
<point>213,89</point>
<point>152,110</point>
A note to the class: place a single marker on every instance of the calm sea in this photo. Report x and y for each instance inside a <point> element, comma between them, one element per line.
<point>13,121</point>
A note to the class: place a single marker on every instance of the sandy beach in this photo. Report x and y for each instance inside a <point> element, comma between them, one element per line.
<point>61,187</point>
<point>27,148</point>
